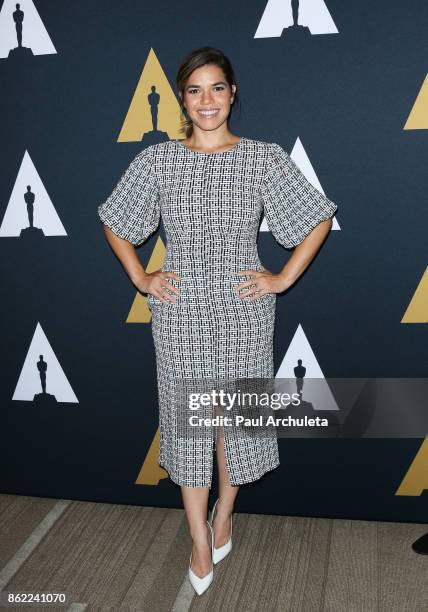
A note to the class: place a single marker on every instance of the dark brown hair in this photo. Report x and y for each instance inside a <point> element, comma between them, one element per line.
<point>196,59</point>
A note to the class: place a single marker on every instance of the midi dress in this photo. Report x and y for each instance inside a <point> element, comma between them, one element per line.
<point>211,205</point>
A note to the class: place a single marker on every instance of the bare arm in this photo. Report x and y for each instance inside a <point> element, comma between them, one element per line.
<point>154,282</point>
<point>304,253</point>
<point>125,252</point>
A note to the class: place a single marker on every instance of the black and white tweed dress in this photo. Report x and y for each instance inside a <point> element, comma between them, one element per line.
<point>211,205</point>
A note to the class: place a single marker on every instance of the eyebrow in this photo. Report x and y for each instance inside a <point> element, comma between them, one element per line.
<point>218,83</point>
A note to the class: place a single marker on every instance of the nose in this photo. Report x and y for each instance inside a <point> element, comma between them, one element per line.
<point>206,96</point>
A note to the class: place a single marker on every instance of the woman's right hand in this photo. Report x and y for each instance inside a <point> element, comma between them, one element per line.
<point>157,284</point>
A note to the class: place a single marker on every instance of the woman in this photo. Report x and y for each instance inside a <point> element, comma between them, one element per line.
<point>212,303</point>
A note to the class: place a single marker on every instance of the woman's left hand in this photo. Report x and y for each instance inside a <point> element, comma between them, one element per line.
<point>265,281</point>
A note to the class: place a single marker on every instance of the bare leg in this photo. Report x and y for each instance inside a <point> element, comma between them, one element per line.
<point>195,500</point>
<point>227,493</point>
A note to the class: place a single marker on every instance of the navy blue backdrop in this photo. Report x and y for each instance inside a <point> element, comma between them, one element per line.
<point>347,96</point>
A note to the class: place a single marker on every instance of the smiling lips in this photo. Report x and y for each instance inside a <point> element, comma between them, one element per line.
<point>207,114</point>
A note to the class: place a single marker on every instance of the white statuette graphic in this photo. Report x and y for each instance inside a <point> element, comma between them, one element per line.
<point>22,32</point>
<point>30,210</point>
<point>311,14</point>
<point>300,363</point>
<point>42,379</point>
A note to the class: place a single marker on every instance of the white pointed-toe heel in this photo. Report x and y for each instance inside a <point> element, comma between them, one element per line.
<point>201,584</point>
<point>220,553</point>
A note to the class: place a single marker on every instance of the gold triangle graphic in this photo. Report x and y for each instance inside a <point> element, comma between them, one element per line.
<point>416,479</point>
<point>154,107</point>
<point>151,472</point>
<point>417,310</point>
<point>140,311</point>
<point>418,118</point>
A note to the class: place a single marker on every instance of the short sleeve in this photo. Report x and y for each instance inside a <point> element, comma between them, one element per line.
<point>292,205</point>
<point>132,210</point>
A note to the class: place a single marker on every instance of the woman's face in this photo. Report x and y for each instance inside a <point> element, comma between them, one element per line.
<point>207,97</point>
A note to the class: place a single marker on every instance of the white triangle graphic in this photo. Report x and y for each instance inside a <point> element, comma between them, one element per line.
<point>298,154</point>
<point>16,216</point>
<point>29,383</point>
<point>34,33</point>
<point>278,15</point>
<point>316,392</point>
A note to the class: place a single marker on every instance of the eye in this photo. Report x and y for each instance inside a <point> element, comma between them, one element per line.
<point>216,87</point>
